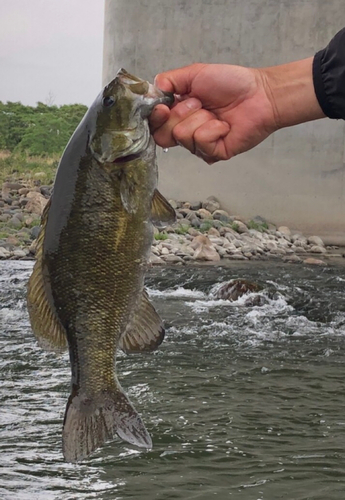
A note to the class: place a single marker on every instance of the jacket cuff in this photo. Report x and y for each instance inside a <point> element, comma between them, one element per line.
<point>319,87</point>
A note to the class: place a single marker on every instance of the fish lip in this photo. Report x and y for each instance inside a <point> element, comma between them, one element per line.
<point>169,98</point>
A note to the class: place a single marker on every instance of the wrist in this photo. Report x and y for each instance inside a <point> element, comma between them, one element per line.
<point>290,90</point>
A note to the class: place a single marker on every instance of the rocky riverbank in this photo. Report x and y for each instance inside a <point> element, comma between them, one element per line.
<point>203,232</point>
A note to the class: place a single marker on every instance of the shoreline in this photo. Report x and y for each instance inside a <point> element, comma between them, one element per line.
<point>203,233</point>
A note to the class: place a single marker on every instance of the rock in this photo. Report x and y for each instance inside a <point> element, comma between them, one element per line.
<point>14,222</point>
<point>317,249</point>
<point>5,217</point>
<point>186,212</point>
<point>19,253</point>
<point>11,186</point>
<point>292,258</point>
<point>213,232</point>
<point>173,259</point>
<point>277,251</point>
<point>195,205</point>
<point>284,230</point>
<point>211,204</point>
<point>236,256</point>
<point>32,247</point>
<point>202,213</point>
<point>36,203</point>
<point>193,232</point>
<point>315,240</point>
<point>4,253</point>
<point>153,260</point>
<point>11,240</point>
<point>316,262</point>
<point>203,249</point>
<point>46,191</point>
<point>35,231</point>
<point>259,220</point>
<point>240,226</point>
<point>270,245</point>
<point>23,202</point>
<point>236,288</point>
<point>173,203</point>
<point>216,240</point>
<point>222,215</point>
<point>40,175</point>
<point>23,191</point>
<point>19,215</point>
<point>301,241</point>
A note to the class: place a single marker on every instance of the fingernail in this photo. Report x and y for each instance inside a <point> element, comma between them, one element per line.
<point>193,103</point>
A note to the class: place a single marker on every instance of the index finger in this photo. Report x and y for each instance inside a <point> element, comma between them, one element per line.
<point>178,81</point>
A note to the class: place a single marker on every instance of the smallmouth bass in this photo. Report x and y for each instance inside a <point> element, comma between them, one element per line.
<point>86,292</point>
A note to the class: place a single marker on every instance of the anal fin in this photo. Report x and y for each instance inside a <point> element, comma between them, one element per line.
<point>145,331</point>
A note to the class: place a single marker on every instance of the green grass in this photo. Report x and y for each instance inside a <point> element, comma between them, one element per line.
<point>234,226</point>
<point>258,226</point>
<point>182,229</point>
<point>205,226</point>
<point>161,236</point>
<point>17,166</point>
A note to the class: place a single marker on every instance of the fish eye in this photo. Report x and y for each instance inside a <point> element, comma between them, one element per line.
<point>108,101</point>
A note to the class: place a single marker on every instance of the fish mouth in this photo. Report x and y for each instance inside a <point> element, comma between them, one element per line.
<point>125,159</point>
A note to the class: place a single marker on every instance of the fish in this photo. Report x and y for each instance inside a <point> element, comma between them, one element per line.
<point>86,291</point>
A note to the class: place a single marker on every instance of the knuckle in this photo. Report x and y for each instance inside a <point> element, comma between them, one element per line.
<point>179,132</point>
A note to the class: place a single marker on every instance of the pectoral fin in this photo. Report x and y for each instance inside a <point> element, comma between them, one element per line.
<point>129,196</point>
<point>44,322</point>
<point>145,332</point>
<point>162,213</point>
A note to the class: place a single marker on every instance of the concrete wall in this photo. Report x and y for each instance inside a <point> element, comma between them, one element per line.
<point>297,176</point>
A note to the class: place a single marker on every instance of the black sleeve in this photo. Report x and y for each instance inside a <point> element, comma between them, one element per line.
<point>329,77</point>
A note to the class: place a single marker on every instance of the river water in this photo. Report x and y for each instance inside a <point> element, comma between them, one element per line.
<point>241,402</point>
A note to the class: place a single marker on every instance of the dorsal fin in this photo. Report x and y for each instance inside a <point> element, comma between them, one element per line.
<point>145,331</point>
<point>45,324</point>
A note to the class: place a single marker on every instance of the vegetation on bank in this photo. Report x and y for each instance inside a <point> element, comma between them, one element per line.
<point>32,138</point>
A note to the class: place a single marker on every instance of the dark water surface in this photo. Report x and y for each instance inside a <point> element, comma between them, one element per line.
<point>244,403</point>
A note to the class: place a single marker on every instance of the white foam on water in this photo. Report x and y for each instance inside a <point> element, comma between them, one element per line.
<point>178,292</point>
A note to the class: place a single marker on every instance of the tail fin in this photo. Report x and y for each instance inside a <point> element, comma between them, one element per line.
<point>89,423</point>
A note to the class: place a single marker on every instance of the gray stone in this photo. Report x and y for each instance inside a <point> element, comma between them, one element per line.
<point>195,205</point>
<point>284,230</point>
<point>203,213</point>
<point>35,231</point>
<point>4,253</point>
<point>211,204</point>
<point>173,259</point>
<point>14,222</point>
<point>292,258</point>
<point>314,262</point>
<point>19,253</point>
<point>317,249</point>
<point>315,240</point>
<point>222,215</point>
<point>155,260</point>
<point>36,203</point>
<point>240,226</point>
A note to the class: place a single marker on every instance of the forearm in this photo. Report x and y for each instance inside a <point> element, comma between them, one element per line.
<point>290,88</point>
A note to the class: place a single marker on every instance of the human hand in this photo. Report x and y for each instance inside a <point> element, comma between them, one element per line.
<point>220,110</point>
<point>223,110</point>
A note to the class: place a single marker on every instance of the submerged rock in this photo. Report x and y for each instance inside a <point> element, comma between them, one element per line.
<point>236,288</point>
